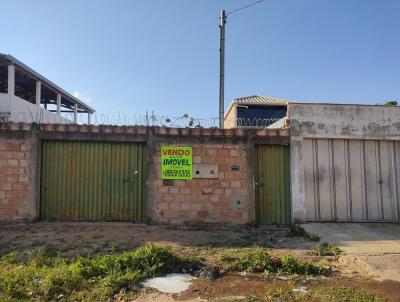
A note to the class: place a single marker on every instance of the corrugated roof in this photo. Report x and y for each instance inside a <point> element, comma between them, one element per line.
<point>261,100</point>
<point>258,100</point>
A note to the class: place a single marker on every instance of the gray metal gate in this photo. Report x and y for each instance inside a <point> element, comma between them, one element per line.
<point>352,180</point>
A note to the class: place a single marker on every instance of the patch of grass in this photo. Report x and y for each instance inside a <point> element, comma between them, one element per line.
<point>293,266</point>
<point>326,249</point>
<point>43,278</point>
<point>257,259</point>
<point>321,294</point>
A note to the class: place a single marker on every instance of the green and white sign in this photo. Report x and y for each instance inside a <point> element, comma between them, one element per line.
<point>176,162</point>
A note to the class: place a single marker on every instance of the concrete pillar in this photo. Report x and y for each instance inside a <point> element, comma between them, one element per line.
<point>58,103</point>
<point>297,180</point>
<point>38,92</point>
<point>75,113</point>
<point>11,79</point>
<point>89,117</point>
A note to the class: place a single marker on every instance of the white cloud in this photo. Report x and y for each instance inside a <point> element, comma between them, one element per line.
<point>82,97</point>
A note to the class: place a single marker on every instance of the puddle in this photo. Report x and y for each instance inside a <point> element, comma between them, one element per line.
<point>171,283</point>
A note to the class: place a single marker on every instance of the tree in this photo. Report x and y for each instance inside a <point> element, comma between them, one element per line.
<point>391,103</point>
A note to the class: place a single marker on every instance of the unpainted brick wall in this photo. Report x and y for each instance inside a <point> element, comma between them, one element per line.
<point>15,187</point>
<point>223,200</point>
<point>228,199</point>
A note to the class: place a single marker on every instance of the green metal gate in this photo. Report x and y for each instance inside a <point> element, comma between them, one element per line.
<point>93,181</point>
<point>272,180</point>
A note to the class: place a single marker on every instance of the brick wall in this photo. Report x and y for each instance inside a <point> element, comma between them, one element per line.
<point>15,185</point>
<point>228,199</point>
<point>222,200</point>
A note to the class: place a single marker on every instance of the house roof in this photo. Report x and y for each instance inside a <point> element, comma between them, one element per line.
<point>46,82</point>
<point>258,100</point>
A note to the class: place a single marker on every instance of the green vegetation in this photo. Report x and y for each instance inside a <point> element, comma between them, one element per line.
<point>326,249</point>
<point>257,259</point>
<point>44,278</point>
<point>321,294</point>
<point>391,103</point>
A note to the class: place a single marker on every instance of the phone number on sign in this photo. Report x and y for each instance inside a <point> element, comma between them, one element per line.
<point>176,173</point>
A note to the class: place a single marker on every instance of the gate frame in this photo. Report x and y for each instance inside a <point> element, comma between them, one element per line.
<point>146,165</point>
<point>281,141</point>
<point>88,137</point>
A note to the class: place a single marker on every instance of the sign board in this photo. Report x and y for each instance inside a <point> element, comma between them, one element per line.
<point>176,162</point>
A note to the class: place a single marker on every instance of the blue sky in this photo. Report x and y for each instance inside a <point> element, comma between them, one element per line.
<point>129,56</point>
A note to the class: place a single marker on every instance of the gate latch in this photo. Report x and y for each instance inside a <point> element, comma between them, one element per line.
<point>132,178</point>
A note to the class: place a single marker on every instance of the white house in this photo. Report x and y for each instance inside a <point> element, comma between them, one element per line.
<point>26,96</point>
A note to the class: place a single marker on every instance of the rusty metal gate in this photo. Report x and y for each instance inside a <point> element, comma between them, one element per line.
<point>352,180</point>
<point>272,184</point>
<point>93,181</point>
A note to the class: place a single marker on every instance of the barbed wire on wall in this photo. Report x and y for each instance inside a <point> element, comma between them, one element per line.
<point>183,121</point>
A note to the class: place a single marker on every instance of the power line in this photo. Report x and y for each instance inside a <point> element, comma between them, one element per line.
<point>246,6</point>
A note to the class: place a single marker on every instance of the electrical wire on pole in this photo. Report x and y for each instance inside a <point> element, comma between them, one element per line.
<point>223,17</point>
<point>246,6</point>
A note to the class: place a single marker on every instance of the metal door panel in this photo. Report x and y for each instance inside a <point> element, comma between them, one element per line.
<point>351,180</point>
<point>92,181</point>
<point>272,178</point>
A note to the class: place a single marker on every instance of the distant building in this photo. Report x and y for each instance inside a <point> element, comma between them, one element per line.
<point>256,111</point>
<point>26,96</point>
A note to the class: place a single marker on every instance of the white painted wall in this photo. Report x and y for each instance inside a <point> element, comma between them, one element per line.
<point>22,111</point>
<point>5,103</point>
<point>333,121</point>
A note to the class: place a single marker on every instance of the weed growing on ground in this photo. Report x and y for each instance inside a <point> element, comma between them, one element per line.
<point>321,294</point>
<point>257,259</point>
<point>293,266</point>
<point>39,277</point>
<point>326,249</point>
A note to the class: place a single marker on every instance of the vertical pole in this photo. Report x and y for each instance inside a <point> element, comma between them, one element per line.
<point>75,113</point>
<point>38,92</point>
<point>58,103</point>
<point>89,117</point>
<point>221,68</point>
<point>11,80</point>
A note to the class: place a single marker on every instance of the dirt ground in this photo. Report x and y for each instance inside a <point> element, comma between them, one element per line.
<point>375,245</point>
<point>99,238</point>
<point>69,239</point>
<point>235,286</point>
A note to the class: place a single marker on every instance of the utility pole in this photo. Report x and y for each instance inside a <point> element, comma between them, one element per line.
<point>221,68</point>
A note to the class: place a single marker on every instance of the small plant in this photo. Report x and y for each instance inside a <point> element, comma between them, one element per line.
<point>293,266</point>
<point>37,256</point>
<point>258,260</point>
<point>228,258</point>
<point>44,278</point>
<point>321,294</point>
<point>344,294</point>
<point>326,249</point>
